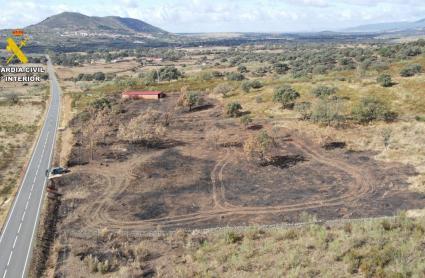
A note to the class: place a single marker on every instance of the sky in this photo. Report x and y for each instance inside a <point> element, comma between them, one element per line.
<point>190,16</point>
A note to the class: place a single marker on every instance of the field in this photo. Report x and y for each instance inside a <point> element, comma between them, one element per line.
<point>145,188</point>
<point>147,177</point>
<point>21,113</point>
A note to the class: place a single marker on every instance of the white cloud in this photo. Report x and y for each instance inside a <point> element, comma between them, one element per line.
<point>222,15</point>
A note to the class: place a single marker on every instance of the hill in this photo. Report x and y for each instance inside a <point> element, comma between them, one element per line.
<point>69,31</point>
<point>389,27</point>
<point>74,22</point>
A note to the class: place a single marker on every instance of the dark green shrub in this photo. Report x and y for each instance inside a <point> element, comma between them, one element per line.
<point>189,99</point>
<point>420,118</point>
<point>233,109</point>
<point>99,76</point>
<point>242,69</point>
<point>168,73</point>
<point>412,51</point>
<point>286,96</point>
<point>370,108</point>
<point>280,68</point>
<point>261,71</point>
<point>411,70</point>
<point>232,237</point>
<point>385,80</point>
<point>101,103</point>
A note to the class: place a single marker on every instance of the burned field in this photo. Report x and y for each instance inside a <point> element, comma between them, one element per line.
<point>197,175</point>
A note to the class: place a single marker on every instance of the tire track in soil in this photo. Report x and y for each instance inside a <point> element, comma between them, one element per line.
<point>217,201</point>
<point>223,208</point>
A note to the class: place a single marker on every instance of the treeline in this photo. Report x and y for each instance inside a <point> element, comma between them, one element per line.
<point>75,59</point>
<point>98,76</point>
<point>299,60</point>
<point>305,60</point>
<point>31,59</point>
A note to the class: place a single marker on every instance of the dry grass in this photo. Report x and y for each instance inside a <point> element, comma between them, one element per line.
<point>388,249</point>
<point>18,126</point>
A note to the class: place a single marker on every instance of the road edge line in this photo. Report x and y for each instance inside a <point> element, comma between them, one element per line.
<point>45,181</point>
<point>34,147</point>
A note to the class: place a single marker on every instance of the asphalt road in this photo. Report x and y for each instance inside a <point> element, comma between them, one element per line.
<point>18,234</point>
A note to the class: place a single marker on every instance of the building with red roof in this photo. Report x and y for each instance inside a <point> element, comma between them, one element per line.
<point>142,95</point>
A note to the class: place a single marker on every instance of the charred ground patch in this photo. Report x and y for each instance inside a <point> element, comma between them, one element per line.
<point>168,184</point>
<point>271,185</point>
<point>284,161</point>
<point>203,181</point>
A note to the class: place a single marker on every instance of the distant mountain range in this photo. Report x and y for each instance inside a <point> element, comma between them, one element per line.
<point>69,31</point>
<point>389,27</point>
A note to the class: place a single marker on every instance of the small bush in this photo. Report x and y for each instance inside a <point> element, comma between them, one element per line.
<point>103,267</point>
<point>411,70</point>
<point>375,260</point>
<point>280,68</point>
<point>242,69</point>
<point>257,148</point>
<point>256,84</point>
<point>222,89</point>
<point>304,108</point>
<point>285,95</point>
<point>232,237</point>
<point>234,76</point>
<point>99,76</point>
<point>385,80</point>
<point>142,252</point>
<point>370,108</point>
<point>101,103</point>
<point>206,75</point>
<point>246,120</point>
<point>233,109</point>
<point>327,111</point>
<point>420,118</point>
<point>323,91</point>
<point>379,66</point>
<point>189,99</point>
<point>246,86</point>
<point>91,263</point>
<point>168,73</point>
